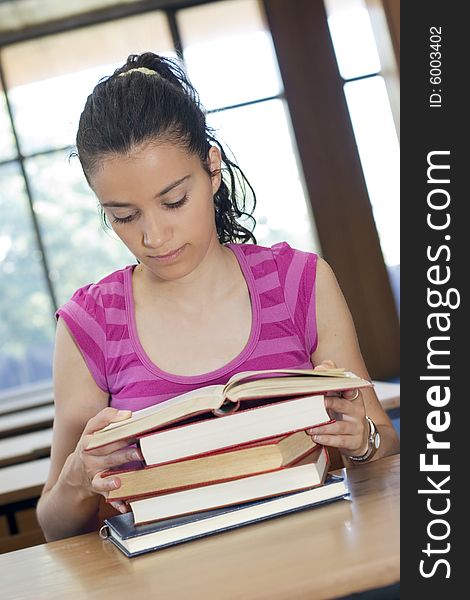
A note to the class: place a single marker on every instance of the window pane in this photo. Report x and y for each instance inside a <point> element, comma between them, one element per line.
<point>26,312</point>
<point>49,78</point>
<point>259,136</point>
<point>20,15</point>
<point>353,38</point>
<point>379,152</point>
<point>7,142</point>
<point>78,248</point>
<point>229,53</point>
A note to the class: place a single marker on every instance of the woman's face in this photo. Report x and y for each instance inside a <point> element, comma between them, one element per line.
<point>159,201</point>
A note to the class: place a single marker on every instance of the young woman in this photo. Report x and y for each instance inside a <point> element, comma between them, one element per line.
<point>197,307</point>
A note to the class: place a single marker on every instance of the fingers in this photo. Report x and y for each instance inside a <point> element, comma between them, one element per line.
<point>348,431</point>
<point>343,406</point>
<point>337,441</point>
<point>99,461</point>
<point>101,480</point>
<point>120,506</point>
<point>325,364</point>
<point>98,468</point>
<point>86,468</point>
<point>351,395</point>
<point>103,485</point>
<point>101,465</point>
<point>336,428</point>
<point>116,459</point>
<point>105,417</point>
<point>347,436</point>
<point>109,448</point>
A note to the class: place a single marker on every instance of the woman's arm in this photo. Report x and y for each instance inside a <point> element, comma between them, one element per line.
<point>337,342</point>
<point>70,499</point>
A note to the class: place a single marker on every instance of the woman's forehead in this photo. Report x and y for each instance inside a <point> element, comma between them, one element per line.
<point>159,159</point>
<point>151,169</point>
<point>152,153</point>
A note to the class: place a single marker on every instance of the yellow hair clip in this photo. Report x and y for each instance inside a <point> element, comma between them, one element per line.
<point>141,70</point>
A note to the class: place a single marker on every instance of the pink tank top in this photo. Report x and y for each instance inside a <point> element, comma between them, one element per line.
<point>281,283</point>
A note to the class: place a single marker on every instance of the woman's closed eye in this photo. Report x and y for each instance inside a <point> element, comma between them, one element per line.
<point>125,219</point>
<point>132,216</point>
<point>177,204</point>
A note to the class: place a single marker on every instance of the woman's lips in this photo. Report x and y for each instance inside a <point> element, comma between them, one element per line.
<point>173,255</point>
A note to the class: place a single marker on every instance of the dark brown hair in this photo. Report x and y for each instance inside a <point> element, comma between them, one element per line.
<point>126,111</point>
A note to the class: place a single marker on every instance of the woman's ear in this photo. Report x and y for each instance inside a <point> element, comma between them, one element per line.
<point>214,162</point>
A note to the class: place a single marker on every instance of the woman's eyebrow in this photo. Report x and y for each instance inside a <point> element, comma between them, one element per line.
<point>168,188</point>
<point>117,204</point>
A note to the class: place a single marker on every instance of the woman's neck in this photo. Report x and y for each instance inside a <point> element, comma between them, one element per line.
<point>213,277</point>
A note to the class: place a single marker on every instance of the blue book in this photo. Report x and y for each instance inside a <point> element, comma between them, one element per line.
<point>133,540</point>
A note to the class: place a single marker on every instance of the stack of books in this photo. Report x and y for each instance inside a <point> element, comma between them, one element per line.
<point>221,456</point>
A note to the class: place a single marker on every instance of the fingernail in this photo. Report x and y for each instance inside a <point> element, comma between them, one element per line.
<point>315,438</point>
<point>123,413</point>
<point>135,455</point>
<point>114,483</point>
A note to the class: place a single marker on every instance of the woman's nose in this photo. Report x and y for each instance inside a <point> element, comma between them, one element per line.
<point>156,232</point>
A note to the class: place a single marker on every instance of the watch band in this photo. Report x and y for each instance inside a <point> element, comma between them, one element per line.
<point>373,442</point>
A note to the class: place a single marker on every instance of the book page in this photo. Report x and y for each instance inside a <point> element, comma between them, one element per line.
<point>247,376</point>
<point>272,388</point>
<point>338,372</point>
<point>210,391</point>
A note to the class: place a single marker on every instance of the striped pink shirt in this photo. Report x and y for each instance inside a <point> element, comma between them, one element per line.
<point>281,283</point>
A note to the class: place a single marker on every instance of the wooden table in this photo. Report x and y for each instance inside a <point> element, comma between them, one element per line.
<point>326,552</point>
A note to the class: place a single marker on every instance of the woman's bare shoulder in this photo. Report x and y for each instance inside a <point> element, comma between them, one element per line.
<point>74,386</point>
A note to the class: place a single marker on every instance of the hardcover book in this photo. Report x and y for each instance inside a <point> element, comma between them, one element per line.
<point>134,540</point>
<point>309,472</point>
<point>255,458</point>
<point>234,430</point>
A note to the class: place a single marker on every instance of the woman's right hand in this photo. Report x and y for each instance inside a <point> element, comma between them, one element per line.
<point>87,466</point>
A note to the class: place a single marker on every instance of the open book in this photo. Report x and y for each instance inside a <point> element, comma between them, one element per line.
<point>221,400</point>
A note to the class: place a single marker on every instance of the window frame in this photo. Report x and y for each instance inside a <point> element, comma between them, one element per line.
<point>340,204</point>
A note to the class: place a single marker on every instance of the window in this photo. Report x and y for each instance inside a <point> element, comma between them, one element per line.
<point>7,142</point>
<point>47,81</point>
<point>372,119</point>
<point>26,323</point>
<point>248,112</point>
<point>50,78</point>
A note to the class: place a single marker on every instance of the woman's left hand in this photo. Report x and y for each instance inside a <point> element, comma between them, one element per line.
<point>349,433</point>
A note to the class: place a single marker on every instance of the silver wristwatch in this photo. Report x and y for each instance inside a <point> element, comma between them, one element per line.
<point>373,443</point>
